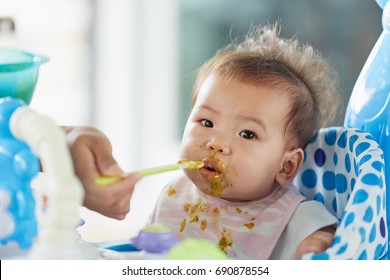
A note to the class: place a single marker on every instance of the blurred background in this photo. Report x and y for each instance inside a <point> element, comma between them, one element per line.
<point>127,67</point>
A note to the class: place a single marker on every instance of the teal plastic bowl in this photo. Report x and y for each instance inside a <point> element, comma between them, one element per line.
<point>19,73</point>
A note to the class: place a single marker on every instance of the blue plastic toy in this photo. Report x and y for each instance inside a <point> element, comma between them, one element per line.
<point>25,133</point>
<point>18,77</point>
<point>369,106</point>
<point>25,136</point>
<point>19,166</point>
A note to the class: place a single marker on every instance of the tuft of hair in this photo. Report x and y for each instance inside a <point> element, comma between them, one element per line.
<point>266,59</point>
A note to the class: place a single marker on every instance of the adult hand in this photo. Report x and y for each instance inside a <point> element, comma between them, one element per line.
<point>91,153</point>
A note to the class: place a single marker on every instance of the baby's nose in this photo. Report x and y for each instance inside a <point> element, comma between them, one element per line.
<point>219,148</point>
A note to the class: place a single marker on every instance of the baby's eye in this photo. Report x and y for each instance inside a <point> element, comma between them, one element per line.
<point>207,123</point>
<point>247,134</point>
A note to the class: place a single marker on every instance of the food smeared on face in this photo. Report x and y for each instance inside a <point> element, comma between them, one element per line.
<point>213,170</point>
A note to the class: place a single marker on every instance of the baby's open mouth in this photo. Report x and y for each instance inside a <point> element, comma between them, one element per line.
<point>213,165</point>
<point>214,172</point>
<point>210,166</point>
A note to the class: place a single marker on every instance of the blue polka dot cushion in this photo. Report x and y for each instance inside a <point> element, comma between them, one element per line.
<point>344,170</point>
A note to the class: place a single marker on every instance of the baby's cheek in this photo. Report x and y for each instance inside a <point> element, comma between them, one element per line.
<point>185,150</point>
<point>255,183</point>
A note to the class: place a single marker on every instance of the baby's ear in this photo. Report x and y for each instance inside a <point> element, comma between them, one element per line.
<point>291,164</point>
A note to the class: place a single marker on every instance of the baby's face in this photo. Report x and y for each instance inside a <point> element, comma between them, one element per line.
<point>237,130</point>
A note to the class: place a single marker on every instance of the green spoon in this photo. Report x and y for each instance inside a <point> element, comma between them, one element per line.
<point>181,164</point>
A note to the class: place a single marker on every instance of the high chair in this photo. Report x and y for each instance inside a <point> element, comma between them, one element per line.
<point>344,170</point>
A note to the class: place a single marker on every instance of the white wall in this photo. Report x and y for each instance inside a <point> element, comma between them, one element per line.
<point>112,65</point>
<point>57,29</point>
<point>135,52</point>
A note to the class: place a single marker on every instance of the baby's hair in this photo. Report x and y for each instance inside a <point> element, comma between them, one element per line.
<point>265,59</point>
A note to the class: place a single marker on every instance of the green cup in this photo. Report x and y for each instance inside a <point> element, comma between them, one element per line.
<point>19,73</point>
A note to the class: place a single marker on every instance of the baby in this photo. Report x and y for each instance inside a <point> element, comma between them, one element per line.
<point>255,106</point>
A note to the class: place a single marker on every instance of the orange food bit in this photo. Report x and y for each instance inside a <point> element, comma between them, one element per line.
<point>171,191</point>
<point>183,224</point>
<point>226,240</point>
<point>194,219</point>
<point>203,224</point>
<point>249,225</point>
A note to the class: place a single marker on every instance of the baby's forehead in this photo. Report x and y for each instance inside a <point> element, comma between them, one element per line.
<point>269,83</point>
<point>264,96</point>
<point>275,85</point>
